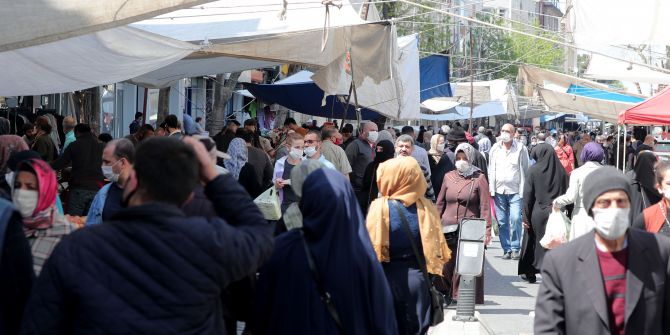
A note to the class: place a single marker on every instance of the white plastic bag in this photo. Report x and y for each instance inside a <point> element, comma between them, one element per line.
<point>269,204</point>
<point>556,232</point>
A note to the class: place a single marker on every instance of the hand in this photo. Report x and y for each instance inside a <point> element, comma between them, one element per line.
<point>526,225</point>
<point>279,183</point>
<point>207,170</point>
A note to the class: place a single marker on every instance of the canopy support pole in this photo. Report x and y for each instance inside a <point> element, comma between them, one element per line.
<point>618,146</point>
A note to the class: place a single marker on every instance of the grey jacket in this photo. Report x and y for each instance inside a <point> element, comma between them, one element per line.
<point>572,297</point>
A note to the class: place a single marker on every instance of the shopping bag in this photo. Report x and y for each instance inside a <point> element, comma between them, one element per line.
<point>268,203</point>
<point>556,232</point>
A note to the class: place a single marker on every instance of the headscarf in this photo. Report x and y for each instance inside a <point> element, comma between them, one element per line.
<point>387,151</point>
<point>293,216</point>
<point>10,144</point>
<point>238,157</point>
<point>427,136</point>
<point>592,152</point>
<point>334,229</point>
<point>644,171</point>
<point>47,187</point>
<point>551,173</point>
<point>385,135</point>
<point>433,146</point>
<point>471,156</point>
<point>401,179</point>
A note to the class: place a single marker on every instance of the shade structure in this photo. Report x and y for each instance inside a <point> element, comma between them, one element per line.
<point>602,94</point>
<point>653,111</point>
<point>28,23</point>
<point>76,63</point>
<point>434,77</point>
<point>606,110</point>
<point>603,68</point>
<point>300,94</point>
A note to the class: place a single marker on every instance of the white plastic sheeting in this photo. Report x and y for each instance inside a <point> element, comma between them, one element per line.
<point>604,22</point>
<point>81,62</point>
<point>605,110</point>
<point>32,22</point>
<point>605,68</point>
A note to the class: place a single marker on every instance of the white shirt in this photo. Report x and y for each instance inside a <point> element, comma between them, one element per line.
<point>508,176</point>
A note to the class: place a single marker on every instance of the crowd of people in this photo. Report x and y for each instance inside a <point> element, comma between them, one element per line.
<point>158,232</point>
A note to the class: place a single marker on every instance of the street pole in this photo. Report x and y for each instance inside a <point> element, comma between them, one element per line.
<point>472,73</point>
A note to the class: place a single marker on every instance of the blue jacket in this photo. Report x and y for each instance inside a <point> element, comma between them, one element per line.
<point>151,270</point>
<point>97,205</point>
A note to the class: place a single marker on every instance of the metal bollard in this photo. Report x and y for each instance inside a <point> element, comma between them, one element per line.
<point>465,308</point>
<point>469,264</point>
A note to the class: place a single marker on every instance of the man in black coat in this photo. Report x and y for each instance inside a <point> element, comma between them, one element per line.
<point>150,269</point>
<point>611,281</point>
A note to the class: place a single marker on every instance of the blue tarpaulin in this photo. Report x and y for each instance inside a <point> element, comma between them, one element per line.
<point>600,94</point>
<point>434,77</point>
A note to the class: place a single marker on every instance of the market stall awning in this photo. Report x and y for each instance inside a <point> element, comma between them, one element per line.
<point>434,77</point>
<point>488,109</point>
<point>653,111</point>
<point>76,63</point>
<point>606,110</point>
<point>603,68</point>
<point>602,94</point>
<point>28,23</point>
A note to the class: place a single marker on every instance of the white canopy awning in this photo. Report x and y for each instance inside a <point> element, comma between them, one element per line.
<point>604,68</point>
<point>81,62</point>
<point>27,23</point>
<point>605,110</point>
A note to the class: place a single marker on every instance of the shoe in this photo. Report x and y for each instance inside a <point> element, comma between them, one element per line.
<point>529,278</point>
<point>507,255</point>
<point>516,255</point>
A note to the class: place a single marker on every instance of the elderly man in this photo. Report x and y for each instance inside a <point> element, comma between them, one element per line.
<point>418,152</point>
<point>613,280</point>
<point>68,129</point>
<point>404,146</point>
<point>313,148</point>
<point>117,163</point>
<point>508,164</point>
<point>333,152</point>
<point>360,153</point>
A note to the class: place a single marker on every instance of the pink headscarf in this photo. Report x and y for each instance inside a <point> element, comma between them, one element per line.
<point>48,189</point>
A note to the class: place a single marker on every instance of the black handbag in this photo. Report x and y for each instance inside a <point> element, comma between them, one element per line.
<point>436,298</point>
<point>323,293</point>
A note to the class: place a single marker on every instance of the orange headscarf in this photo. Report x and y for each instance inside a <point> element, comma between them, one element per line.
<point>401,179</point>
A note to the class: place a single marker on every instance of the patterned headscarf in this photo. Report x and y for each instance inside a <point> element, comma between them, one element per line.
<point>47,186</point>
<point>238,157</point>
<point>470,155</point>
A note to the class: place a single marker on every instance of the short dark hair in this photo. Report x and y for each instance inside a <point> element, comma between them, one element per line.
<point>328,133</point>
<point>249,122</point>
<point>233,122</point>
<point>290,120</point>
<point>348,128</point>
<point>171,121</point>
<point>198,119</point>
<point>407,130</point>
<point>244,134</point>
<point>315,132</point>
<point>123,148</point>
<point>82,128</point>
<point>166,158</point>
<point>146,127</point>
<point>105,138</point>
<point>138,115</point>
<point>42,123</point>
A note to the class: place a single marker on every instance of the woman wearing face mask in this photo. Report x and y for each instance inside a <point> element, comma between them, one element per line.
<point>655,219</point>
<point>383,152</point>
<point>439,163</point>
<point>35,191</point>
<point>295,145</point>
<point>464,194</point>
<point>545,181</point>
<point>565,154</point>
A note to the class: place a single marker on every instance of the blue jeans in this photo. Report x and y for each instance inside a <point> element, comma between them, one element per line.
<point>508,214</point>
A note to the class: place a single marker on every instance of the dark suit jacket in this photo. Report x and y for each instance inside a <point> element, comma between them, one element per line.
<point>572,298</point>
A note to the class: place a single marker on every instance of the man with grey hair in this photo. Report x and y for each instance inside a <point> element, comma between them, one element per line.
<point>481,133</point>
<point>333,152</point>
<point>360,153</point>
<point>117,163</point>
<point>68,129</point>
<point>508,164</point>
<point>404,146</point>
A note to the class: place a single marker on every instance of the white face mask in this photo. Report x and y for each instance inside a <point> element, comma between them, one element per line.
<point>611,223</point>
<point>440,147</point>
<point>373,136</point>
<point>25,201</point>
<point>109,173</point>
<point>310,151</point>
<point>462,166</point>
<point>505,137</point>
<point>295,153</point>
<point>666,193</point>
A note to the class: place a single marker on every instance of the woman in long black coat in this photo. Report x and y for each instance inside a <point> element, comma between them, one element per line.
<point>546,180</point>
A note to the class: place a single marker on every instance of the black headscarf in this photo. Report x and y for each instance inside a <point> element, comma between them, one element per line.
<point>548,175</point>
<point>644,171</point>
<point>384,150</point>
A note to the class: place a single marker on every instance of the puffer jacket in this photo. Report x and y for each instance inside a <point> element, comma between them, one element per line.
<point>151,270</point>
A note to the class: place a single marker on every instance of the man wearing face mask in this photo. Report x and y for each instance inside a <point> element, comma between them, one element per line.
<point>360,153</point>
<point>610,281</point>
<point>117,163</point>
<point>404,146</point>
<point>151,268</point>
<point>295,145</point>
<point>313,148</point>
<point>508,164</point>
<point>332,152</point>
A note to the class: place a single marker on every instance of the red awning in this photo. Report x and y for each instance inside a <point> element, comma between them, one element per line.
<point>653,111</point>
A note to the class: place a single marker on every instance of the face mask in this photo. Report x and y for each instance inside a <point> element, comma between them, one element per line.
<point>533,143</point>
<point>611,223</point>
<point>310,151</point>
<point>506,137</point>
<point>440,147</point>
<point>295,153</point>
<point>462,166</point>
<point>338,141</point>
<point>666,193</point>
<point>372,136</point>
<point>25,201</point>
<point>109,174</point>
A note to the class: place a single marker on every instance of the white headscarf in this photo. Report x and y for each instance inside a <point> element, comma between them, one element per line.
<point>470,155</point>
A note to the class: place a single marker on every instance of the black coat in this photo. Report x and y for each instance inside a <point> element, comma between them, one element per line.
<point>85,156</point>
<point>151,270</point>
<point>439,170</point>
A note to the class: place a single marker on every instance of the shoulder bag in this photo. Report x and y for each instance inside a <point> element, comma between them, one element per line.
<point>436,298</point>
<point>323,293</point>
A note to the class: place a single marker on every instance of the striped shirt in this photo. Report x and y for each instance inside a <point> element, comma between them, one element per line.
<point>613,267</point>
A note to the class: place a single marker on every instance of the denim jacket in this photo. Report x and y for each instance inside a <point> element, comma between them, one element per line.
<point>98,204</point>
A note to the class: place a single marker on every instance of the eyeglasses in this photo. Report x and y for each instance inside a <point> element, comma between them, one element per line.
<point>311,141</point>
